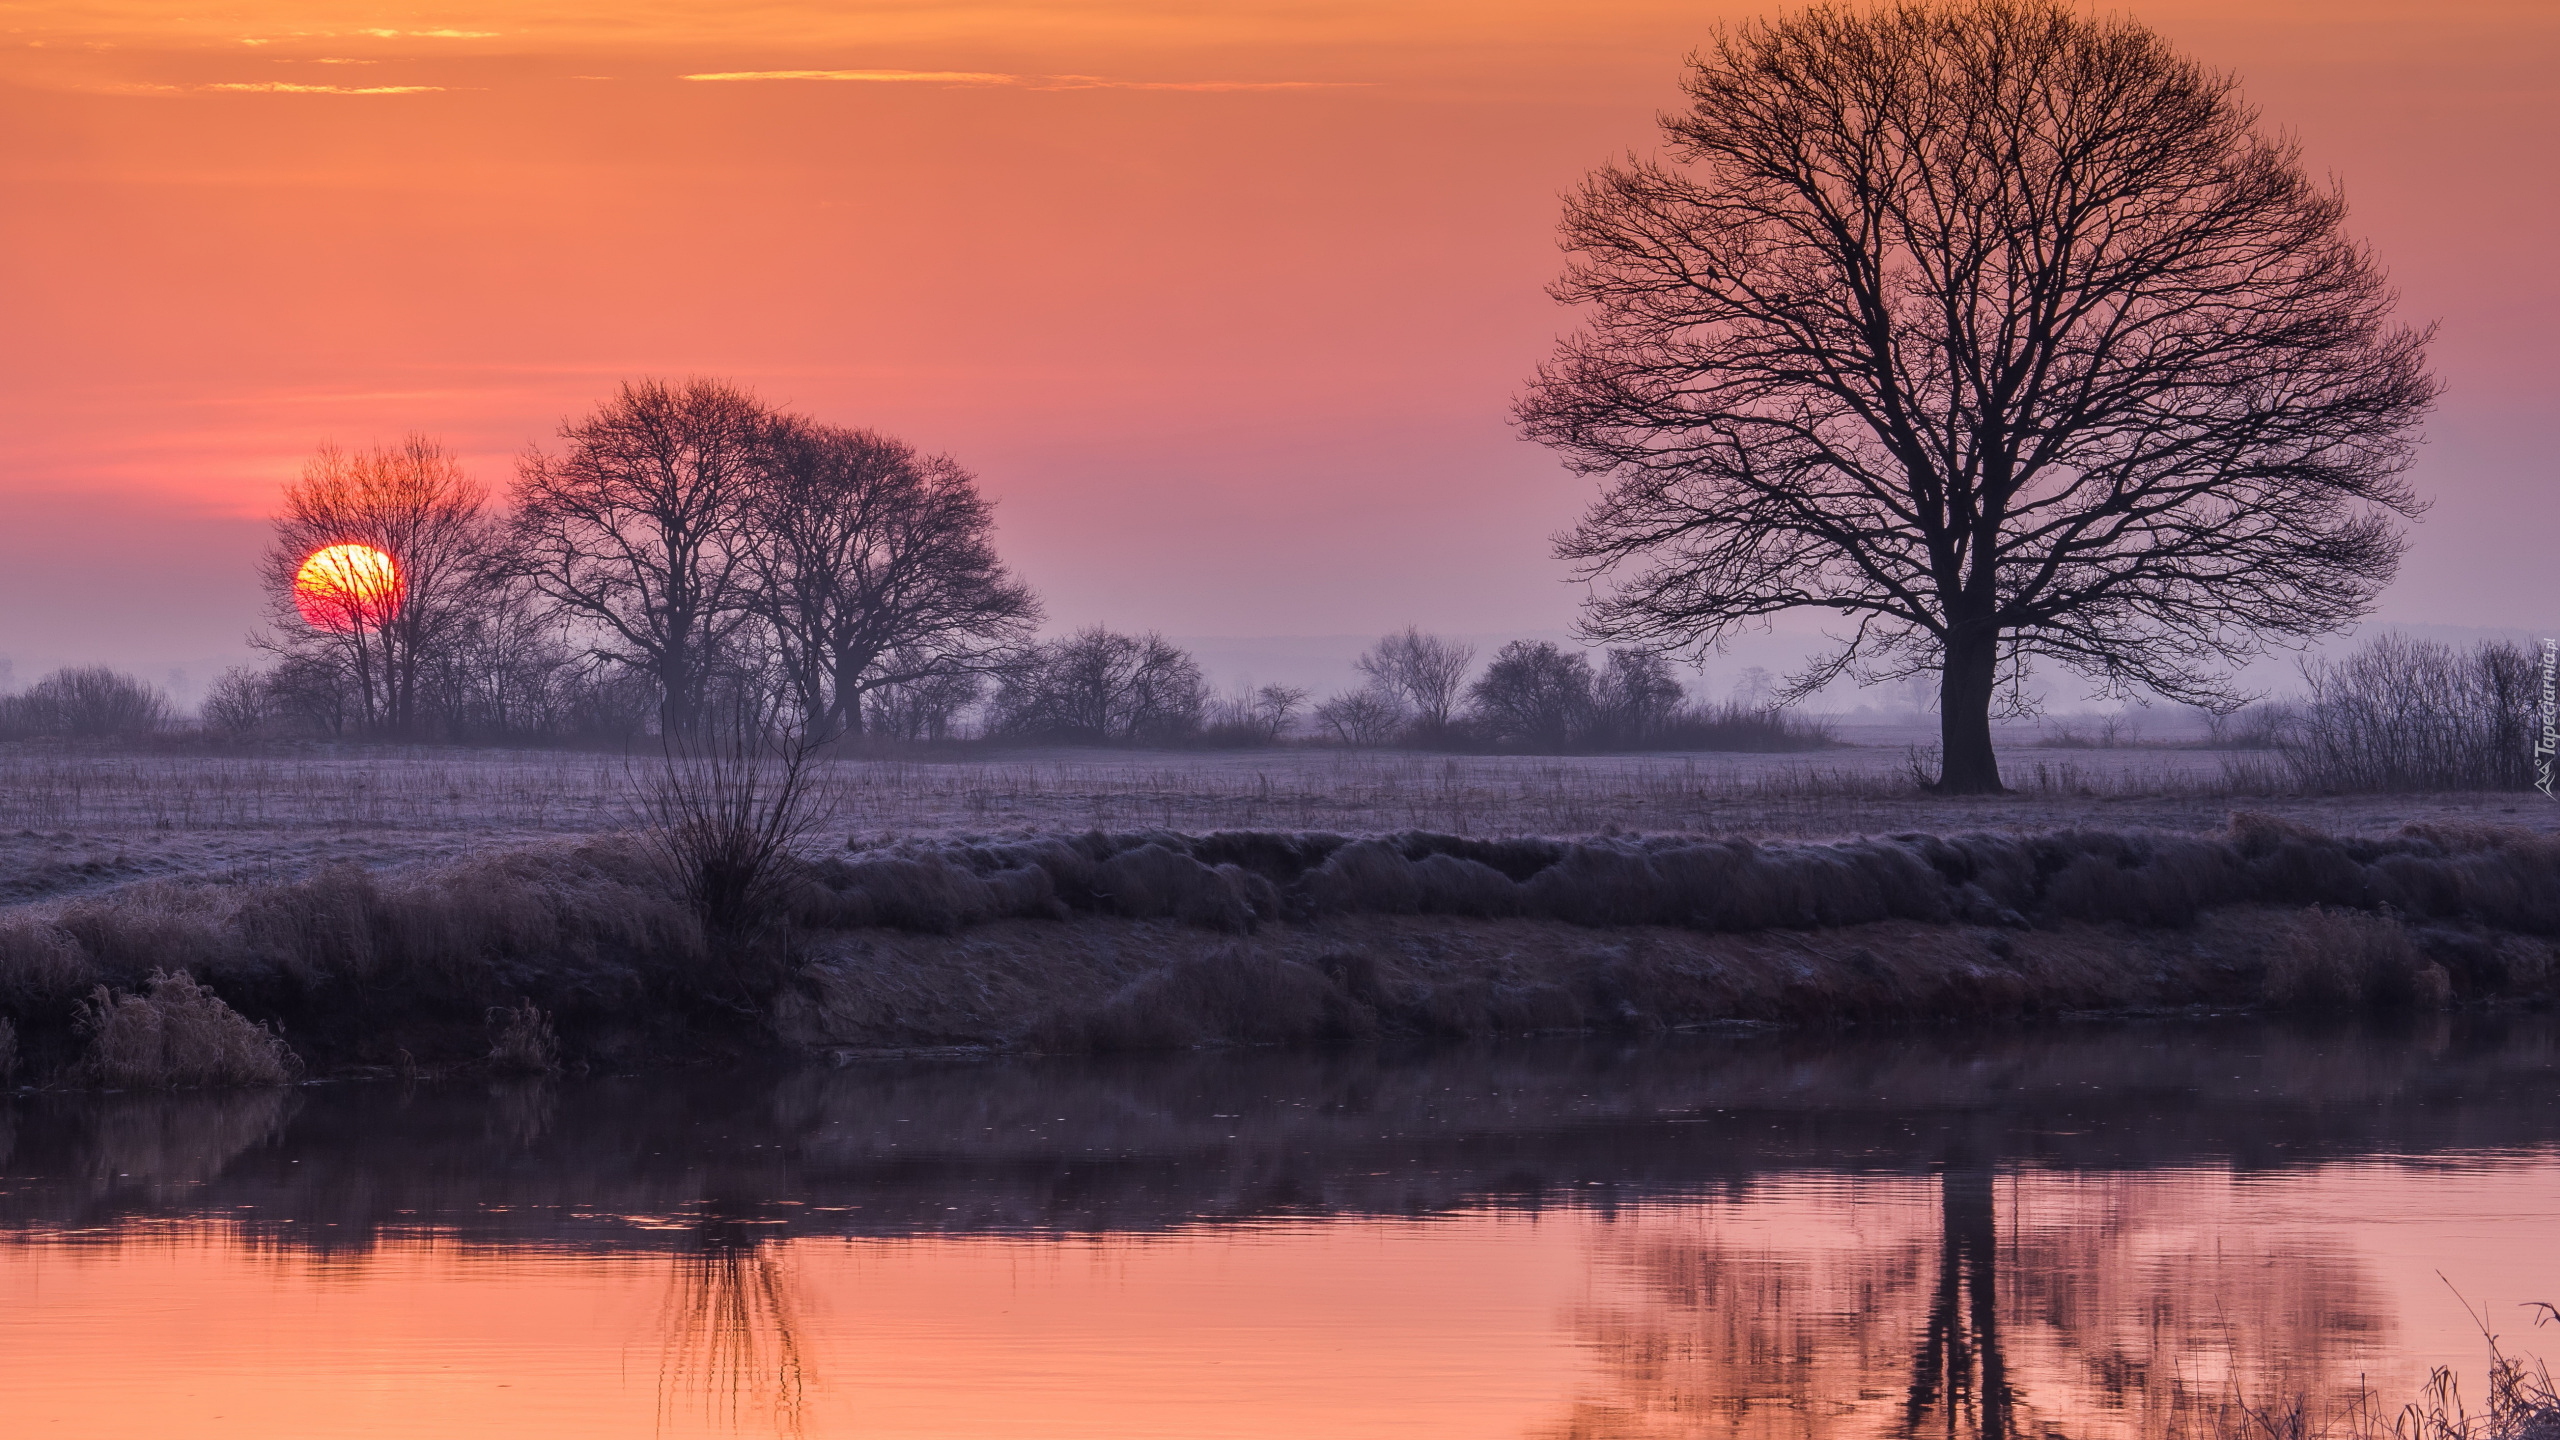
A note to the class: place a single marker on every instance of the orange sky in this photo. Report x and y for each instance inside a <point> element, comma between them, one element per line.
<point>1225,303</point>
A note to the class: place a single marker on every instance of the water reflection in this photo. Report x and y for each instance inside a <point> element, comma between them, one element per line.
<point>1960,1374</point>
<point>732,1347</point>
<point>2127,1307</point>
<point>2098,1234</point>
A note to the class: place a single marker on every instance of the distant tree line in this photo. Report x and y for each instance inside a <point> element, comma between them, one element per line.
<point>1535,695</point>
<point>689,560</point>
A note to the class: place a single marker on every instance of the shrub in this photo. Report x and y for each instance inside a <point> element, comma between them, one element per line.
<point>239,702</point>
<point>176,1034</point>
<point>724,817</point>
<point>1534,694</point>
<point>1739,726</point>
<point>1362,717</point>
<point>39,963</point>
<point>85,703</point>
<point>2402,714</point>
<point>1250,719</point>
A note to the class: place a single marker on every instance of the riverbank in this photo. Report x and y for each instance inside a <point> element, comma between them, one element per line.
<point>581,954</point>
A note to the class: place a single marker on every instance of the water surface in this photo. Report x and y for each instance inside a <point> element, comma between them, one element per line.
<point>2090,1232</point>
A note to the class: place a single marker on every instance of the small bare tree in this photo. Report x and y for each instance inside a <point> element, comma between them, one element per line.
<point>1426,672</point>
<point>1634,698</point>
<point>636,531</point>
<point>724,813</point>
<point>1363,717</point>
<point>1997,328</point>
<point>413,503</point>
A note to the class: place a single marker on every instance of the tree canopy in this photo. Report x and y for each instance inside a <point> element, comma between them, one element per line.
<point>1999,330</point>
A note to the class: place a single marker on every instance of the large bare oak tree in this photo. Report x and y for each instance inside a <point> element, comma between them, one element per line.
<point>2000,330</point>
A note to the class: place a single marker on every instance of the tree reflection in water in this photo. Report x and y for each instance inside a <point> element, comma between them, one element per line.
<point>2118,1307</point>
<point>733,1339</point>
<point>1961,1373</point>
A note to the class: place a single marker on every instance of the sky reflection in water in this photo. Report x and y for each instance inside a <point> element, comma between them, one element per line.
<point>2089,1233</point>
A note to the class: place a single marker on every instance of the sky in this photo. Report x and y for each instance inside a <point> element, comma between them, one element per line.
<point>1225,304</point>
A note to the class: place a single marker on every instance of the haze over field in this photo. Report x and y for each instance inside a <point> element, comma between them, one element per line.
<point>1225,305</point>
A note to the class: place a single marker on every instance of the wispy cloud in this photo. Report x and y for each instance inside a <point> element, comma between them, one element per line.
<point>372,34</point>
<point>1098,82</point>
<point>1027,82</point>
<point>280,87</point>
<point>894,77</point>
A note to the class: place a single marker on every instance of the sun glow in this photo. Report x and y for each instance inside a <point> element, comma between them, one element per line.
<point>347,588</point>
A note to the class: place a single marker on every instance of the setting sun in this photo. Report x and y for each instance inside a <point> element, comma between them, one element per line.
<point>341,588</point>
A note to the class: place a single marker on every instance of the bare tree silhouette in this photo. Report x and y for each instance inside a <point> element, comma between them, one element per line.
<point>413,503</point>
<point>1426,672</point>
<point>1996,328</point>
<point>876,567</point>
<point>636,530</point>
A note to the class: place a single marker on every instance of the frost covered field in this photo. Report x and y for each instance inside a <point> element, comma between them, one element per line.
<point>78,821</point>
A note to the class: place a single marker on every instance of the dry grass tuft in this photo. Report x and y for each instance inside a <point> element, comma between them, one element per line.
<point>2339,959</point>
<point>177,1034</point>
<point>521,1041</point>
<point>39,963</point>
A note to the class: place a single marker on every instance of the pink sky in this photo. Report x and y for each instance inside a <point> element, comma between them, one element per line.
<point>1224,303</point>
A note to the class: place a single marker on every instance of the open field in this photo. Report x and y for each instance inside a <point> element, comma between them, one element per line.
<point>74,821</point>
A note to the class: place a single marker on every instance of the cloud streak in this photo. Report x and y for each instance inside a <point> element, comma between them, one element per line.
<point>886,77</point>
<point>1098,82</point>
<point>979,78</point>
<point>281,87</point>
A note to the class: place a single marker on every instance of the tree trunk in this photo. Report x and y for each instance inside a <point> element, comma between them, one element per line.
<point>1967,765</point>
<point>676,716</point>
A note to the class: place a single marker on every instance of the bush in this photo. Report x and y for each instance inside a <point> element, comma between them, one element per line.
<point>1362,717</point>
<point>1739,726</point>
<point>239,702</point>
<point>2402,714</point>
<point>39,964</point>
<point>177,1034</point>
<point>88,703</point>
<point>724,817</point>
<point>1534,694</point>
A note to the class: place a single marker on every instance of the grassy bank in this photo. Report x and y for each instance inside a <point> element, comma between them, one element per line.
<point>583,954</point>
